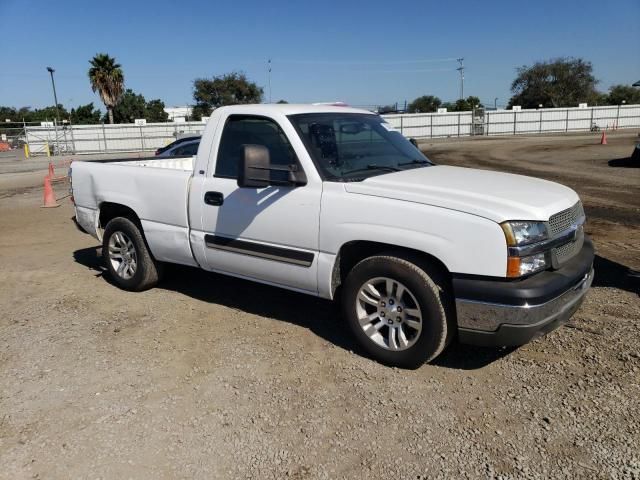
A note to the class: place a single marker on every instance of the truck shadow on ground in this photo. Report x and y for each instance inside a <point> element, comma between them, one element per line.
<point>627,162</point>
<point>612,274</point>
<point>321,317</point>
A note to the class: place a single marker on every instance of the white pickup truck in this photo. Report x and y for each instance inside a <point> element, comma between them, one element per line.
<point>333,202</point>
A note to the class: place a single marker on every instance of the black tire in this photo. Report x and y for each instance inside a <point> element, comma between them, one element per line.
<point>433,300</point>
<point>147,271</point>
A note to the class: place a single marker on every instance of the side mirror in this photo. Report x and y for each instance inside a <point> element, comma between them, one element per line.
<point>352,128</point>
<point>414,142</point>
<point>254,167</point>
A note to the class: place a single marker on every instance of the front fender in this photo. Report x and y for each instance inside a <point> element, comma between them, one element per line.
<point>464,243</point>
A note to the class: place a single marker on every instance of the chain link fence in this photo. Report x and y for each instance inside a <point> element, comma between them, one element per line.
<point>516,122</point>
<point>92,139</point>
<point>13,134</point>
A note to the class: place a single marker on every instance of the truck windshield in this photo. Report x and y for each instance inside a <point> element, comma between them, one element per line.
<point>355,146</point>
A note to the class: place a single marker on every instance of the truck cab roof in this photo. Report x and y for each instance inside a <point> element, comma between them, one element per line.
<point>289,109</point>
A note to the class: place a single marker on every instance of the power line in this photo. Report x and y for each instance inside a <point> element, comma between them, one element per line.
<point>351,62</point>
<point>409,71</point>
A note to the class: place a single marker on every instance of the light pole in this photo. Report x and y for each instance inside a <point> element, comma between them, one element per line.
<point>269,71</point>
<point>55,97</point>
<point>495,103</point>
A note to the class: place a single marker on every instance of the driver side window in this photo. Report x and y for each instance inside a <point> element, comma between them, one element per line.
<point>241,130</point>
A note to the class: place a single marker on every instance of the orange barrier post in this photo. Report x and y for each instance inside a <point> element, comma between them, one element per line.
<point>49,196</point>
<point>603,140</point>
<point>52,171</point>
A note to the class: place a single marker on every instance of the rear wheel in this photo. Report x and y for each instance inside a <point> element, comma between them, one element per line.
<point>127,257</point>
<point>396,311</point>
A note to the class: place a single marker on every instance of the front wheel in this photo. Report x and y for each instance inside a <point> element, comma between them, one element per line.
<point>127,257</point>
<point>396,311</point>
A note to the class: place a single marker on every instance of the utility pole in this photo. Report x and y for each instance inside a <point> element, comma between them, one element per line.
<point>269,69</point>
<point>461,70</point>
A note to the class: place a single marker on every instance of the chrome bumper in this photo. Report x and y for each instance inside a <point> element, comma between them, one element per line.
<point>498,324</point>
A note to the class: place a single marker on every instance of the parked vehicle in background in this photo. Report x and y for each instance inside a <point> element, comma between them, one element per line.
<point>185,148</point>
<point>334,202</point>
<point>635,155</point>
<point>172,146</point>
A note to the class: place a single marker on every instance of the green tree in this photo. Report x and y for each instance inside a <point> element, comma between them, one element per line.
<point>130,107</point>
<point>9,113</point>
<point>133,105</point>
<point>49,113</point>
<point>85,115</point>
<point>32,115</point>
<point>560,82</point>
<point>106,78</point>
<point>600,99</point>
<point>282,101</point>
<point>46,114</point>
<point>424,104</point>
<point>199,111</point>
<point>463,104</point>
<point>618,93</point>
<point>154,111</point>
<point>25,113</point>
<point>228,89</point>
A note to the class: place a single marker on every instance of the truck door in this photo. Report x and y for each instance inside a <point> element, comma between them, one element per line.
<point>268,234</point>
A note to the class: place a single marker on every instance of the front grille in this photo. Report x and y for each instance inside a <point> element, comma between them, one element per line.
<point>561,221</point>
<point>564,252</point>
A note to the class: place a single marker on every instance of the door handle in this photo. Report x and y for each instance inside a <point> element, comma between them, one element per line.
<point>213,198</point>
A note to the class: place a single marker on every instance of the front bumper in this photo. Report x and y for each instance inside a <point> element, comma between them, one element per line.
<point>502,312</point>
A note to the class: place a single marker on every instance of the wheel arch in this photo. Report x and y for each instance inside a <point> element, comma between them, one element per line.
<point>107,211</point>
<point>355,251</point>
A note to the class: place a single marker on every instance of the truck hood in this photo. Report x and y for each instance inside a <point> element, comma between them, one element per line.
<point>493,195</point>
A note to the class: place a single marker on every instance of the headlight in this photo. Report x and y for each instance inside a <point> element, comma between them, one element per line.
<point>520,266</point>
<point>524,233</point>
<point>520,234</point>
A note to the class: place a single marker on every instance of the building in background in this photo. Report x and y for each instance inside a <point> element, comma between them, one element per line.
<point>178,114</point>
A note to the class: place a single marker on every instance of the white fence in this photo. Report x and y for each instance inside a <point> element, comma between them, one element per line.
<point>514,122</point>
<point>87,139</point>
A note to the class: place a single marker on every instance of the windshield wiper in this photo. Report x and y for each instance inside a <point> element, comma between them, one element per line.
<point>415,162</point>
<point>373,166</point>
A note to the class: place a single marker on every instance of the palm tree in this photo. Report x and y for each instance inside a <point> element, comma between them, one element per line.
<point>107,79</point>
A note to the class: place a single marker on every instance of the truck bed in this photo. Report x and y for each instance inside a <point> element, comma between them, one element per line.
<point>154,188</point>
<point>173,163</point>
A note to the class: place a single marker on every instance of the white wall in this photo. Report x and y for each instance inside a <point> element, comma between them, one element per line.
<point>178,112</point>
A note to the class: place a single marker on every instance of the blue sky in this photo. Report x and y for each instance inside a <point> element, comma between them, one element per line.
<point>365,52</point>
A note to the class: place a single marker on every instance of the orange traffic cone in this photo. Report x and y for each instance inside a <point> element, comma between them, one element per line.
<point>52,172</point>
<point>49,196</point>
<point>603,140</point>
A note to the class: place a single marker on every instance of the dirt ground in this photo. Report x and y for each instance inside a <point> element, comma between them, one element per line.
<point>212,377</point>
